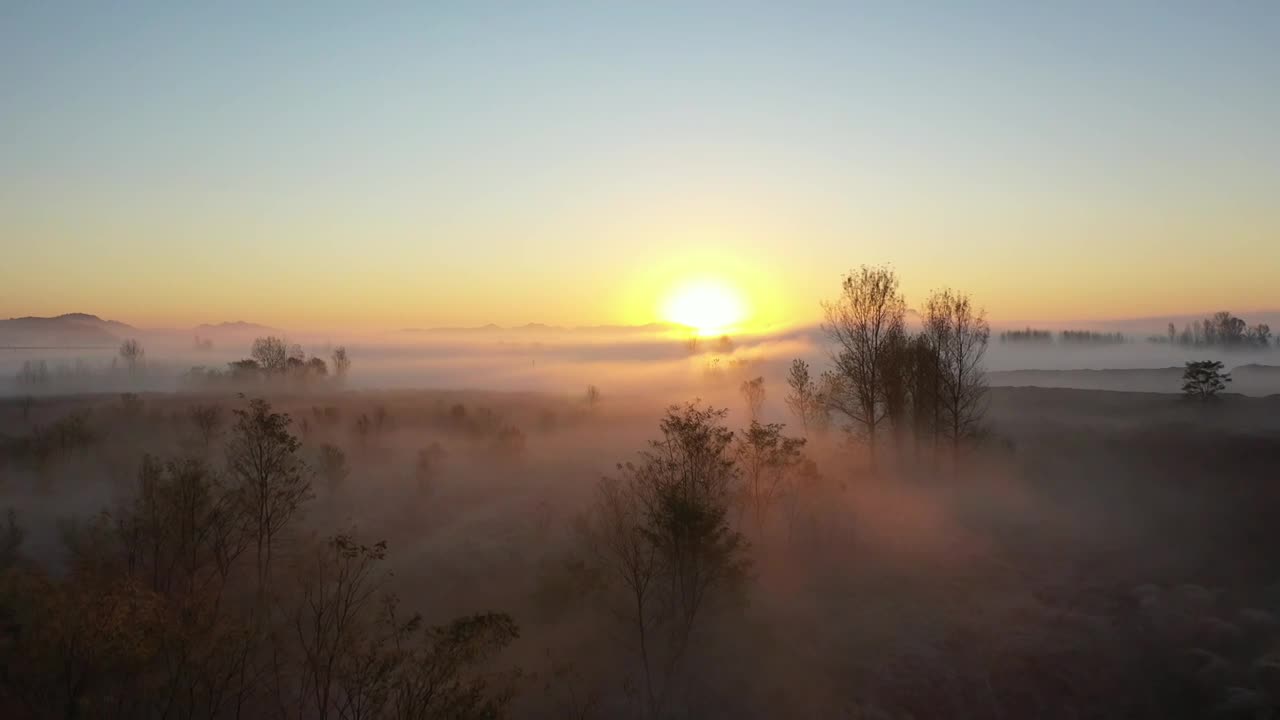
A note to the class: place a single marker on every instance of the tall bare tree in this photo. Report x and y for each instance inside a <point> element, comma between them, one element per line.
<point>766,458</point>
<point>341,363</point>
<point>753,395</point>
<point>271,354</point>
<point>664,535</point>
<point>894,383</point>
<point>631,565</point>
<point>132,352</point>
<point>207,420</point>
<point>863,324</point>
<point>962,335</point>
<point>803,399</point>
<point>270,480</point>
<point>923,371</point>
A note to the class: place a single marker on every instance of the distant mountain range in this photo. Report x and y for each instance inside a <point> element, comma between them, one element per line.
<point>84,330</point>
<point>70,330</point>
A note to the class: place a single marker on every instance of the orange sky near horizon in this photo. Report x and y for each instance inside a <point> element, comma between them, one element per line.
<point>570,165</point>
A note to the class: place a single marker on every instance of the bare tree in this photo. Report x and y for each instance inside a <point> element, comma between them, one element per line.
<point>803,399</point>
<point>766,458</point>
<point>341,363</point>
<point>753,395</point>
<point>923,368</point>
<point>132,352</point>
<point>962,333</point>
<point>207,420</point>
<point>863,324</point>
<point>270,480</point>
<point>271,353</point>
<point>332,618</point>
<point>664,532</point>
<point>894,382</point>
<point>333,468</point>
<point>630,563</point>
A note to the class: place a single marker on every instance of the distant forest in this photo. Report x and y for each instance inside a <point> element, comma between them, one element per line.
<point>1222,329</point>
<point>1066,337</point>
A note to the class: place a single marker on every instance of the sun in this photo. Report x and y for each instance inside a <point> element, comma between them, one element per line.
<point>707,305</point>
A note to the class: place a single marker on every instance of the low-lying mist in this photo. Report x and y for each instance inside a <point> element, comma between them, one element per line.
<point>887,519</point>
<point>634,362</point>
<point>1093,543</point>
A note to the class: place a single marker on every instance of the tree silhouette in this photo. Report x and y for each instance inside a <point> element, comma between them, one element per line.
<point>271,353</point>
<point>962,333</point>
<point>207,420</point>
<point>1204,379</point>
<point>753,395</point>
<point>804,399</point>
<point>661,530</point>
<point>132,352</point>
<point>766,459</point>
<point>270,480</point>
<point>341,363</point>
<point>863,324</point>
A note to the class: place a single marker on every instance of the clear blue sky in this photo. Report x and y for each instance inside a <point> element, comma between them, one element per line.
<point>314,164</point>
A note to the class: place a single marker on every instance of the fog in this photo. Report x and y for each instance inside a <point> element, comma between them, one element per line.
<point>1095,552</point>
<point>628,360</point>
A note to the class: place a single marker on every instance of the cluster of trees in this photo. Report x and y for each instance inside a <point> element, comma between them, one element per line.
<point>723,344</point>
<point>1222,329</point>
<point>929,383</point>
<point>1090,337</point>
<point>272,359</point>
<point>1065,337</point>
<point>180,603</point>
<point>36,374</point>
<point>1026,335</point>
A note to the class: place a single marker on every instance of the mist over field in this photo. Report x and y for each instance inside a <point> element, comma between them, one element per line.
<point>638,359</point>
<point>1036,533</point>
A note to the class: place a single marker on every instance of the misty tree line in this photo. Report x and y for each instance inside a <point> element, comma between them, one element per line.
<point>1065,337</point>
<point>928,385</point>
<point>274,360</point>
<point>1026,335</point>
<point>130,358</point>
<point>271,359</point>
<point>180,603</point>
<point>1222,329</point>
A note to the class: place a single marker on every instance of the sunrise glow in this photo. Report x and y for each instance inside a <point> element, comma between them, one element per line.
<point>707,305</point>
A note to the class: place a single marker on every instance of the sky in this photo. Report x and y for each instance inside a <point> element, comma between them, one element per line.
<point>382,165</point>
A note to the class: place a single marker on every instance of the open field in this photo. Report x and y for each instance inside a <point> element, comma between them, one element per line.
<point>1103,554</point>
